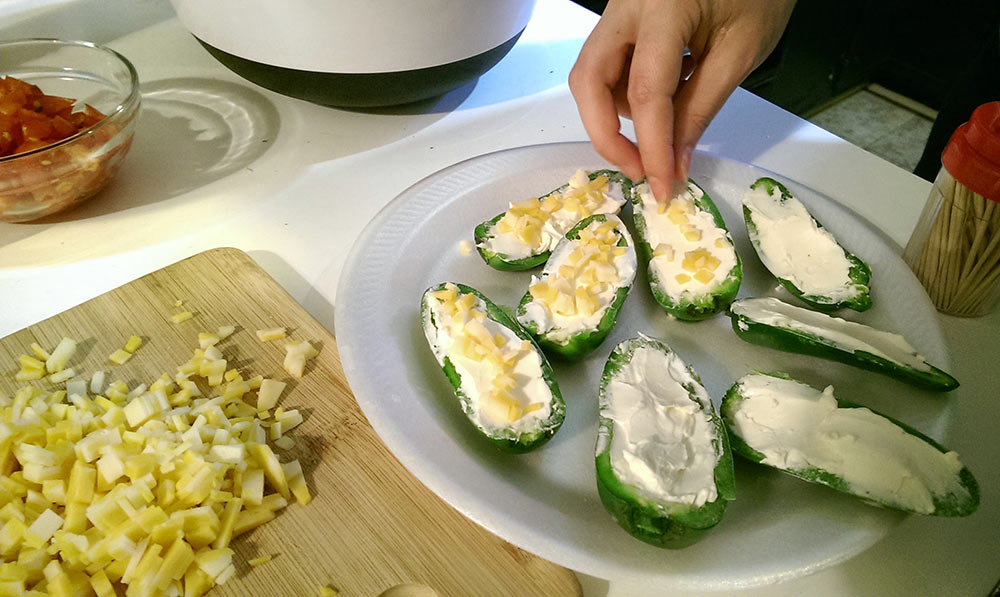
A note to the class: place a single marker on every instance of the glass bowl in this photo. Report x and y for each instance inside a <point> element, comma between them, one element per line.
<point>54,177</point>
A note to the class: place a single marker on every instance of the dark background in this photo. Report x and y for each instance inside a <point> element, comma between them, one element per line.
<point>831,48</point>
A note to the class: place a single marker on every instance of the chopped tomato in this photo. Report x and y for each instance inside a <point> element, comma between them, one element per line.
<point>29,119</point>
<point>10,134</point>
<point>53,105</point>
<point>62,128</point>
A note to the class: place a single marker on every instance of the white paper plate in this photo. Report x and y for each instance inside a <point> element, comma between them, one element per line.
<point>546,502</point>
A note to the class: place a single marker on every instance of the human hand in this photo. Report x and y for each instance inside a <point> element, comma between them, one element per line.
<point>632,65</point>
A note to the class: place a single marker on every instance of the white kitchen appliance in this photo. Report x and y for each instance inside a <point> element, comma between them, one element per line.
<point>357,53</point>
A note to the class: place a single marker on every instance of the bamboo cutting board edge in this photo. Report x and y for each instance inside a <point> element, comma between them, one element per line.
<point>371,524</point>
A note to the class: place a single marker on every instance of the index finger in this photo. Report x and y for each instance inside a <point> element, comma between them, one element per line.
<point>598,69</point>
<point>653,79</point>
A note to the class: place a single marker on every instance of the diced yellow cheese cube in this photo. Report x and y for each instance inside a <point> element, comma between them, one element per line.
<point>42,529</point>
<point>269,334</point>
<point>296,355</point>
<point>704,276</point>
<point>62,375</point>
<point>101,584</point>
<point>564,304</point>
<point>585,304</point>
<point>252,518</point>
<point>120,356</point>
<point>29,375</point>
<point>268,394</point>
<point>297,481</point>
<point>181,317</point>
<point>466,301</point>
<point>550,204</point>
<point>39,352</point>
<point>133,343</point>
<point>266,459</point>
<point>677,217</point>
<point>682,278</point>
<point>82,478</point>
<point>60,355</point>
<point>31,363</point>
<point>11,536</point>
<point>542,291</point>
<point>525,205</point>
<point>228,522</point>
<point>252,486</point>
<point>76,517</point>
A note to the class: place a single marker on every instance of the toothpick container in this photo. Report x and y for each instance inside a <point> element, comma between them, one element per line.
<point>955,247</point>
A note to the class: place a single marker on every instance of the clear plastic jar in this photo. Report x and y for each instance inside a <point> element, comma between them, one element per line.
<point>955,247</point>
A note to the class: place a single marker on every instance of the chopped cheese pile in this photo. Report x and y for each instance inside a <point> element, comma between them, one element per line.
<point>526,219</point>
<point>137,492</point>
<point>577,286</point>
<point>43,363</point>
<point>496,352</point>
<point>689,249</point>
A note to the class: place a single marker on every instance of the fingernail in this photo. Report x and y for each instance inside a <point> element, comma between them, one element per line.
<point>658,188</point>
<point>678,188</point>
<point>684,164</point>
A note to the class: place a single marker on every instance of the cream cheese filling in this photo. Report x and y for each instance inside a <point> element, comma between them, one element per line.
<point>797,427</point>
<point>534,226</point>
<point>580,281</point>
<point>691,255</point>
<point>793,247</point>
<point>847,335</point>
<point>662,441</point>
<point>501,374</point>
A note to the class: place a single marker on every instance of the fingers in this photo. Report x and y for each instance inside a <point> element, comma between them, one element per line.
<point>653,78</point>
<point>701,97</point>
<point>593,81</point>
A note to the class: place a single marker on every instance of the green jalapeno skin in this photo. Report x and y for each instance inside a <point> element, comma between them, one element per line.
<point>797,341</point>
<point>670,525</point>
<point>505,439</point>
<point>859,274</point>
<point>579,345</point>
<point>944,505</point>
<point>687,307</point>
<point>484,230</point>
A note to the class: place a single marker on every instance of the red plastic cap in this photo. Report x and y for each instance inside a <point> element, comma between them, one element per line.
<point>972,155</point>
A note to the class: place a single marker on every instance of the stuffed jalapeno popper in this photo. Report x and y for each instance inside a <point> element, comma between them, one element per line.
<point>774,323</point>
<point>692,265</point>
<point>502,380</point>
<point>804,257</point>
<point>573,305</point>
<point>523,236</point>
<point>811,434</point>
<point>664,470</point>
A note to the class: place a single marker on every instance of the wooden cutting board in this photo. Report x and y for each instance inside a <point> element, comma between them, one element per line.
<point>371,524</point>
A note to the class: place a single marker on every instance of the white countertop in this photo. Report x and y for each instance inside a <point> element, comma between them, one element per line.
<point>219,162</point>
